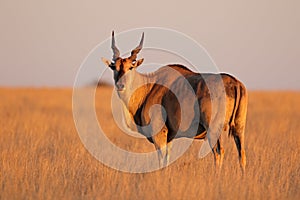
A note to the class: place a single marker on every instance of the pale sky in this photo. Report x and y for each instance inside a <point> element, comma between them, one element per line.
<point>43,43</point>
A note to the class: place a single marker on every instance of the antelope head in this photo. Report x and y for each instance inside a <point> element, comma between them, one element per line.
<point>122,66</point>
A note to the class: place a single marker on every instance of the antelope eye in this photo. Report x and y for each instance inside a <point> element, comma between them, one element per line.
<point>112,66</point>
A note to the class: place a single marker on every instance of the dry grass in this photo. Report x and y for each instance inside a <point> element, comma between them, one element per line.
<point>42,156</point>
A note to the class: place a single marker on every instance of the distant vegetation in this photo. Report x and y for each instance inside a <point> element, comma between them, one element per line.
<point>101,83</point>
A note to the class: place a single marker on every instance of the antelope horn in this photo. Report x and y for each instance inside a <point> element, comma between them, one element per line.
<point>113,46</point>
<point>135,51</point>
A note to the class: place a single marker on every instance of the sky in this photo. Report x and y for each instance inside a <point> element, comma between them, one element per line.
<point>43,43</point>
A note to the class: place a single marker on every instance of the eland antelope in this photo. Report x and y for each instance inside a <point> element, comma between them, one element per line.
<point>154,88</point>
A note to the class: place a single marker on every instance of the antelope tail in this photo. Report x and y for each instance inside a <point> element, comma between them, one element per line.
<point>235,108</point>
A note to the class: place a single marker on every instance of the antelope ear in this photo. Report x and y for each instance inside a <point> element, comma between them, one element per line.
<point>138,62</point>
<point>106,62</point>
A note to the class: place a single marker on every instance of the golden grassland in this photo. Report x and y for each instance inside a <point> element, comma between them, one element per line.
<point>42,156</point>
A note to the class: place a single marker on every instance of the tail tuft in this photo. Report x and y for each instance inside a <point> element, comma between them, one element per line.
<point>231,129</point>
